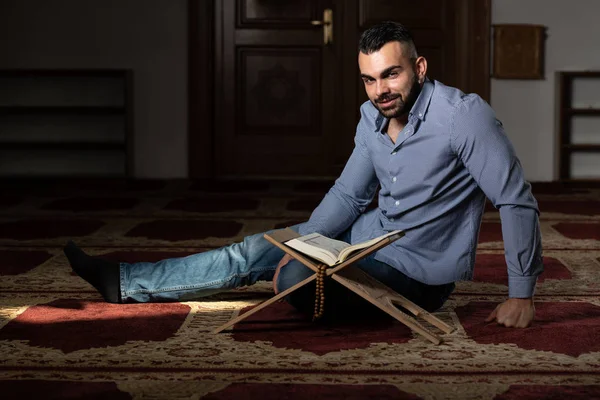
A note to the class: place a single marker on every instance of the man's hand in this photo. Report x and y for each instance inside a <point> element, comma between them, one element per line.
<point>516,313</point>
<point>286,259</point>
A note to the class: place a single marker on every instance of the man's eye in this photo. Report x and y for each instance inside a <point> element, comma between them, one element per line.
<point>393,74</point>
<point>368,81</point>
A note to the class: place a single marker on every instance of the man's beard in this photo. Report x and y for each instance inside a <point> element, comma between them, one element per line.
<point>403,106</point>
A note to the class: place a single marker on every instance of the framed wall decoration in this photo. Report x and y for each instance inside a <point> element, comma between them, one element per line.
<point>519,51</point>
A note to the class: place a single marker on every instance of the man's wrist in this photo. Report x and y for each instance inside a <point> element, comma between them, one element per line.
<point>528,300</point>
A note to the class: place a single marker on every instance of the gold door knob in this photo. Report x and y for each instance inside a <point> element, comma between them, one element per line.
<point>327,24</point>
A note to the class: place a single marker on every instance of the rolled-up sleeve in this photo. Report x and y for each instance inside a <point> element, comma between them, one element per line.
<point>479,141</point>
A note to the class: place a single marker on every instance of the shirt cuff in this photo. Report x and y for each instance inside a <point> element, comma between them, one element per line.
<point>521,287</point>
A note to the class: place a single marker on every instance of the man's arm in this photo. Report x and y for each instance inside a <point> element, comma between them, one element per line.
<point>345,201</point>
<point>480,142</point>
<point>349,196</point>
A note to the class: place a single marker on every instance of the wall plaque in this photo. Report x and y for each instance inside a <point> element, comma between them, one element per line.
<point>519,51</point>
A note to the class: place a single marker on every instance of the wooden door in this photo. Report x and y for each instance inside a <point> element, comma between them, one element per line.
<point>286,104</point>
<point>277,83</point>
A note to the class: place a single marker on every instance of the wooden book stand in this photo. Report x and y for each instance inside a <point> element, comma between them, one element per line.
<point>357,281</point>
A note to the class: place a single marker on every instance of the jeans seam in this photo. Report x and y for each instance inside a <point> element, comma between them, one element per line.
<point>188,287</point>
<point>121,280</point>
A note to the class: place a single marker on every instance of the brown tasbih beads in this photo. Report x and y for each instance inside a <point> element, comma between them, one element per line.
<point>320,292</point>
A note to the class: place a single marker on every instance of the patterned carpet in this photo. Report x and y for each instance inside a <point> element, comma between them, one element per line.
<point>59,340</point>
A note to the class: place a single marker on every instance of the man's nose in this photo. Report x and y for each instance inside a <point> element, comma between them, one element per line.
<point>381,88</point>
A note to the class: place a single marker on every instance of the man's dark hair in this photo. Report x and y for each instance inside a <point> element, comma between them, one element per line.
<point>378,35</point>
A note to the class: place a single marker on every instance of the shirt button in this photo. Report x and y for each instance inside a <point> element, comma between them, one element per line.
<point>394,179</point>
<point>392,219</point>
<point>397,202</point>
<point>420,114</point>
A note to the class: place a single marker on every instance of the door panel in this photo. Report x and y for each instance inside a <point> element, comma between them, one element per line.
<point>279,89</point>
<point>427,14</point>
<point>287,14</point>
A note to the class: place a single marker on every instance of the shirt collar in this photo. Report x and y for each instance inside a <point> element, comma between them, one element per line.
<point>418,110</point>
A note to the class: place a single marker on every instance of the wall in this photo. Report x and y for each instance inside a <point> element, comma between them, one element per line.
<point>148,36</point>
<point>527,108</point>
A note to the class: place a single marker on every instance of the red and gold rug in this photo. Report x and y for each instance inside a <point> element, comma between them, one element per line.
<point>59,340</point>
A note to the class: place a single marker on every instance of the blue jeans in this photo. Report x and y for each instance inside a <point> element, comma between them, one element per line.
<point>253,260</point>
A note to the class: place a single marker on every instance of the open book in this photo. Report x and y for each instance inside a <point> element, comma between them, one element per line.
<point>331,251</point>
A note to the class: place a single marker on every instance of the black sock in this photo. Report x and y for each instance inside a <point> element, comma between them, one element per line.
<point>102,274</point>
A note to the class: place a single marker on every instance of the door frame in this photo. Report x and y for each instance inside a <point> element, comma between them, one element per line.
<point>201,88</point>
<point>204,19</point>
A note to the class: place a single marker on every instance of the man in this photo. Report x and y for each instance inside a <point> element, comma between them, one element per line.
<point>434,152</point>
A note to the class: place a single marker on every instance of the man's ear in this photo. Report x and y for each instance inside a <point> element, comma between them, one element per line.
<point>421,68</point>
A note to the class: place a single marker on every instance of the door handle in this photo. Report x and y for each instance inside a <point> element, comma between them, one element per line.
<point>327,24</point>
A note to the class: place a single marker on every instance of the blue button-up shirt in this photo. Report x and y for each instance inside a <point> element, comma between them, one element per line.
<point>433,181</point>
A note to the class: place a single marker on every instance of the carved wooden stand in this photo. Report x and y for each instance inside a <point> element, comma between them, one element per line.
<point>357,281</point>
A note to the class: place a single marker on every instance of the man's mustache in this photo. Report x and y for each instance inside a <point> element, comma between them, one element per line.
<point>385,99</point>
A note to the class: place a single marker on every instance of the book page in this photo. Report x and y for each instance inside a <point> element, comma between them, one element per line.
<point>359,246</point>
<point>319,247</point>
<point>330,251</point>
<point>322,242</point>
